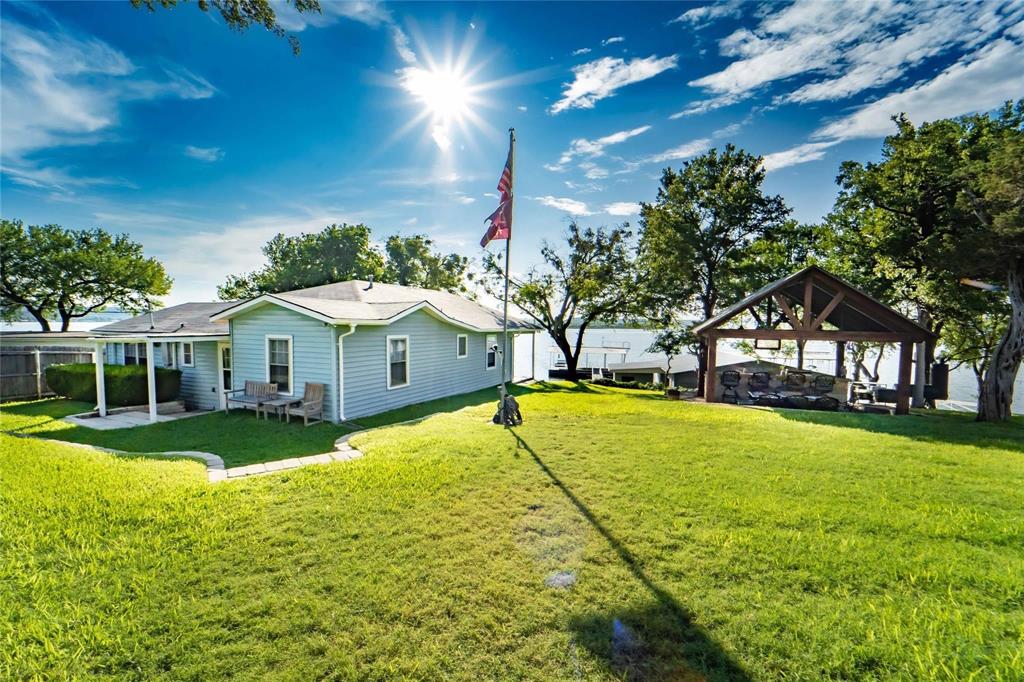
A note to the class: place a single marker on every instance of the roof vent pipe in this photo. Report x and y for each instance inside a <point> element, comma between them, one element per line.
<point>152,324</point>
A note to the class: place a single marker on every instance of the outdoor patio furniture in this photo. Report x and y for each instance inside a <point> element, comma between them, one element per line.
<point>278,405</point>
<point>309,406</point>
<point>794,381</point>
<point>822,384</point>
<point>730,380</point>
<point>798,402</point>
<point>255,394</point>
<point>825,403</point>
<point>770,400</point>
<point>758,385</point>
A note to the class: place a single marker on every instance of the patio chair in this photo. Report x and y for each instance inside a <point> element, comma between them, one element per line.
<point>730,380</point>
<point>758,385</point>
<point>795,381</point>
<point>826,403</point>
<point>798,402</point>
<point>255,393</point>
<point>309,406</point>
<point>822,384</point>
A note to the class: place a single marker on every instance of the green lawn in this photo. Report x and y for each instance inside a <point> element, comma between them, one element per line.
<point>238,438</point>
<point>707,541</point>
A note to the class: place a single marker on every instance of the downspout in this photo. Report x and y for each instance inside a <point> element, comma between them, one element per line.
<point>341,370</point>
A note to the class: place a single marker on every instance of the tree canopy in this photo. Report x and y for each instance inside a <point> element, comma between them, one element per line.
<point>595,280</point>
<point>48,271</point>
<point>241,15</point>
<point>703,241</point>
<point>341,252</point>
<point>944,204</point>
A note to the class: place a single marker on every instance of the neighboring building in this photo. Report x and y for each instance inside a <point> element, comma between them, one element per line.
<point>653,369</point>
<point>376,347</point>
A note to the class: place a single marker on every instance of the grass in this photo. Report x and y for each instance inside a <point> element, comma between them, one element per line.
<point>727,543</point>
<point>238,438</point>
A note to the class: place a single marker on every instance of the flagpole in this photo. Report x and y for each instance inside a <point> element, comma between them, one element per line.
<point>508,248</point>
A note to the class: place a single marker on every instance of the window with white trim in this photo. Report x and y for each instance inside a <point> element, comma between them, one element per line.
<point>492,351</point>
<point>135,354</point>
<point>279,362</point>
<point>398,361</point>
<point>461,345</point>
<point>187,359</point>
<point>170,353</point>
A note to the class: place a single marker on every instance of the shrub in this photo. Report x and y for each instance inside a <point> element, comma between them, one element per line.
<point>126,384</point>
<point>641,385</point>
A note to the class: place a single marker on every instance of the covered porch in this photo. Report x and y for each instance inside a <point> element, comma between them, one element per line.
<point>153,350</point>
<point>814,305</point>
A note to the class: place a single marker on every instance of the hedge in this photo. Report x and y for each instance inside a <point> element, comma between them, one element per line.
<point>640,385</point>
<point>125,384</point>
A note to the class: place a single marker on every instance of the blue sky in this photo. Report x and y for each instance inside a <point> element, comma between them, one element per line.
<point>202,143</point>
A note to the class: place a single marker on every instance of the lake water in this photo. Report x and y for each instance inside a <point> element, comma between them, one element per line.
<point>628,345</point>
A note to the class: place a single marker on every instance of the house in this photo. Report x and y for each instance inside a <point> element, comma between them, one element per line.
<point>376,347</point>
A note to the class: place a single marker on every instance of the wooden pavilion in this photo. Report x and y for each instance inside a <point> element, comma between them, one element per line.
<point>817,306</point>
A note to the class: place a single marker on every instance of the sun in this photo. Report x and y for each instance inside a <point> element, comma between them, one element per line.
<point>446,94</point>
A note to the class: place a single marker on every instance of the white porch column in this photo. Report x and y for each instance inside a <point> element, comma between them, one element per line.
<point>151,379</point>
<point>101,386</point>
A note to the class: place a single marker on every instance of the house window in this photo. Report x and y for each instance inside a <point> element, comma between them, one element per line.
<point>461,346</point>
<point>169,354</point>
<point>135,354</point>
<point>279,362</point>
<point>186,355</point>
<point>398,361</point>
<point>492,351</point>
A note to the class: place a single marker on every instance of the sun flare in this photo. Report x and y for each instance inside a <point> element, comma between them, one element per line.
<point>445,93</point>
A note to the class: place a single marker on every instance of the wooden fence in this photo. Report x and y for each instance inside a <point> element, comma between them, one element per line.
<point>22,371</point>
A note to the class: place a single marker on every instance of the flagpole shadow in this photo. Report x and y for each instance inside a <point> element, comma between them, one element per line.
<point>671,640</point>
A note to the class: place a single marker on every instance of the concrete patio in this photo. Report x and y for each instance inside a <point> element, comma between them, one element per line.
<point>127,419</point>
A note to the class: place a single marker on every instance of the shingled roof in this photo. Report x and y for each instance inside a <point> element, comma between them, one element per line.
<point>363,302</point>
<point>186,319</point>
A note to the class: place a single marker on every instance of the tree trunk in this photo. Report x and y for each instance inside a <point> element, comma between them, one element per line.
<point>65,322</point>
<point>562,341</point>
<point>44,324</point>
<point>997,390</point>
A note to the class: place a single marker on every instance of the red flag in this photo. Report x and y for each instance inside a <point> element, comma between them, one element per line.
<point>500,223</point>
<point>500,226</point>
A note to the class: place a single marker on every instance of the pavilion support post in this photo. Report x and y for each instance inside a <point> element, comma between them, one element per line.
<point>920,364</point>
<point>710,376</point>
<point>151,379</point>
<point>101,386</point>
<point>840,359</point>
<point>903,387</point>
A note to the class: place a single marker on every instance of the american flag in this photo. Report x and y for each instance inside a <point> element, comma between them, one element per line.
<point>500,222</point>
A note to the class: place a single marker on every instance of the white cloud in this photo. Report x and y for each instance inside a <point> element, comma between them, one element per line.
<point>372,14</point>
<point>702,16</point>
<point>802,153</point>
<point>841,49</point>
<point>521,107</point>
<point>204,153</point>
<point>683,151</point>
<point>582,50</point>
<point>571,206</point>
<point>622,208</point>
<point>981,82</point>
<point>593,171</point>
<point>727,131</point>
<point>593,148</point>
<point>612,40</point>
<point>62,89</point>
<point>463,199</point>
<point>596,80</point>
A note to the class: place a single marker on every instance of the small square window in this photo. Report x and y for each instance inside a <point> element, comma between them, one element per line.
<point>187,359</point>
<point>461,346</point>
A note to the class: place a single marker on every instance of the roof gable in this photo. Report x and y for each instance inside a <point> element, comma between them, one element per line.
<point>827,298</point>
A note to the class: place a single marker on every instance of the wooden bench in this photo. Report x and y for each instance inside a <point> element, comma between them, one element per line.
<point>255,394</point>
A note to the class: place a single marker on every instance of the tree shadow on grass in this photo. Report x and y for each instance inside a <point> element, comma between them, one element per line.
<point>658,642</point>
<point>937,427</point>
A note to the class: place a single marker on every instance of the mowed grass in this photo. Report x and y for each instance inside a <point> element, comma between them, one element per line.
<point>238,438</point>
<point>707,542</point>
